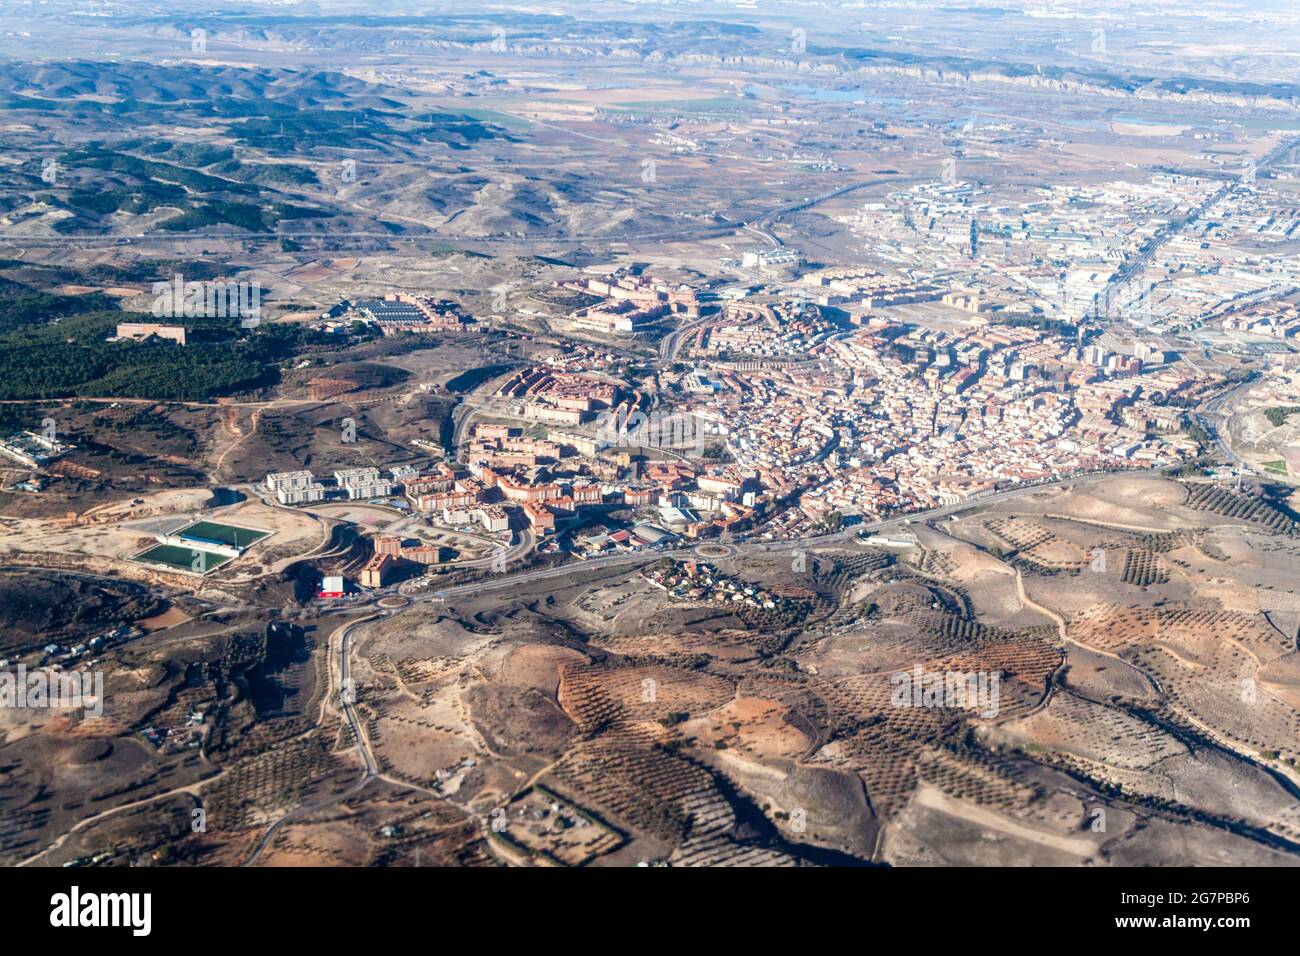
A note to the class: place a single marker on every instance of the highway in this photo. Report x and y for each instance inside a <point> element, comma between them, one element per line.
<point>693,232</point>
<point>808,203</point>
<point>759,547</point>
<point>1219,409</point>
<point>1134,266</point>
<point>671,343</point>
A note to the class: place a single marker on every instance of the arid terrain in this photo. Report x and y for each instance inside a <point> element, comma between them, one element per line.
<point>1148,710</point>
<point>751,434</point>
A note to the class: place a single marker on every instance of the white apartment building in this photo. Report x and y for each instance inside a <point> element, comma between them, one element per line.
<point>363,483</point>
<point>494,518</point>
<point>295,487</point>
<point>314,491</point>
<point>289,480</point>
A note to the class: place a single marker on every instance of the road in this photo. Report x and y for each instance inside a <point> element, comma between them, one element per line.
<point>346,695</point>
<point>782,211</point>
<point>758,547</point>
<point>671,343</point>
<point>1133,267</point>
<point>691,232</point>
<point>1218,410</point>
<point>770,238</point>
<point>515,551</point>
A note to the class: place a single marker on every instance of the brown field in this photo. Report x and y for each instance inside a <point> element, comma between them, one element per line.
<point>597,721</point>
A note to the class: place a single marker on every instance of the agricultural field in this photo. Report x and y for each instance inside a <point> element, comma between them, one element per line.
<point>1137,657</point>
<point>790,436</point>
<point>680,731</point>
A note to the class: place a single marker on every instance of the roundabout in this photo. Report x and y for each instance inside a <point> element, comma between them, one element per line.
<point>714,552</point>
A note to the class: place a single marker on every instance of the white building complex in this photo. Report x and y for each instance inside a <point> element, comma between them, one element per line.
<point>295,487</point>
<point>363,483</point>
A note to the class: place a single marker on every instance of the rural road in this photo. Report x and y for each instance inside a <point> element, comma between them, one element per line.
<point>347,695</point>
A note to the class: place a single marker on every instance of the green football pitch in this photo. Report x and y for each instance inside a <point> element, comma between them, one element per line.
<point>183,559</point>
<point>223,533</point>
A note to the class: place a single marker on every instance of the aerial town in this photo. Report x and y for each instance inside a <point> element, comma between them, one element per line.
<point>792,435</point>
